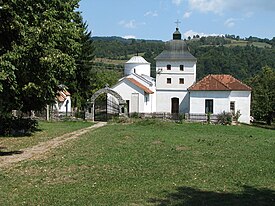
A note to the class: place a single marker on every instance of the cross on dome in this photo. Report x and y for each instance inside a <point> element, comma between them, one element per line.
<point>177,22</point>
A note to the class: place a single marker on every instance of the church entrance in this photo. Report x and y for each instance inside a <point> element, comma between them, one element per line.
<point>175,107</point>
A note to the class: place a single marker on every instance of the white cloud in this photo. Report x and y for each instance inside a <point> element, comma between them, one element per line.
<point>215,6</point>
<point>128,24</point>
<point>249,14</point>
<point>191,33</point>
<point>129,37</point>
<point>220,6</point>
<point>230,22</point>
<point>177,2</point>
<point>187,14</point>
<point>151,13</point>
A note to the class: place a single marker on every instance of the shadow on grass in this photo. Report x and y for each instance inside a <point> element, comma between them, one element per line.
<point>9,153</point>
<point>263,125</point>
<point>194,197</point>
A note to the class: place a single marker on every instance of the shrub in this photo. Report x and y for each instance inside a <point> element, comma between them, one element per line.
<point>181,118</point>
<point>225,118</point>
<point>17,126</point>
<point>236,116</point>
<point>135,115</point>
<point>208,117</point>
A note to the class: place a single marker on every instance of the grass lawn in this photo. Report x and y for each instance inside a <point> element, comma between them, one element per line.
<point>151,163</point>
<point>47,130</point>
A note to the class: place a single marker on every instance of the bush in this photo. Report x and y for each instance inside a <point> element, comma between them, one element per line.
<point>236,116</point>
<point>225,118</point>
<point>17,126</point>
<point>135,115</point>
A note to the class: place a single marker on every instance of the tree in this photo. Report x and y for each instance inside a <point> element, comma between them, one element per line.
<point>263,94</point>
<point>40,42</point>
<point>81,82</point>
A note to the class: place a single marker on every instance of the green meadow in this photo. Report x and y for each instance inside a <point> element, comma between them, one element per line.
<point>149,163</point>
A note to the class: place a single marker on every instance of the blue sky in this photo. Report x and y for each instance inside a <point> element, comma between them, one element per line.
<point>155,19</point>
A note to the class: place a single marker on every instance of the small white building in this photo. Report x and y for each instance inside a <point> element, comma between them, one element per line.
<point>137,88</point>
<point>218,93</point>
<point>63,101</point>
<point>175,91</point>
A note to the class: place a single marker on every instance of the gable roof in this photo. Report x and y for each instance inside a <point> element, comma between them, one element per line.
<point>62,95</point>
<point>220,82</point>
<point>141,86</point>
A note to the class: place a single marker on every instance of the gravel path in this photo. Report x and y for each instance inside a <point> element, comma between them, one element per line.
<point>39,150</point>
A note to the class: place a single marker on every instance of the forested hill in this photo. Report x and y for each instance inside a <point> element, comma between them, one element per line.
<point>241,58</point>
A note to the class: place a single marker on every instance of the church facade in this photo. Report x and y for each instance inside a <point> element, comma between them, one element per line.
<point>175,90</point>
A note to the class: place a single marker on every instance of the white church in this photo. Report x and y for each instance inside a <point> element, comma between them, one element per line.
<point>175,90</point>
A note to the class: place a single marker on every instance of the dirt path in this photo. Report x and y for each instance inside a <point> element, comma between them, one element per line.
<point>44,147</point>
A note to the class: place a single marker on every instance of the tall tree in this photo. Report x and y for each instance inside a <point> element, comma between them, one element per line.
<point>81,84</point>
<point>39,42</point>
<point>263,94</point>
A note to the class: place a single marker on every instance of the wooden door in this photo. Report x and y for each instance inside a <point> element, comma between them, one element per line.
<point>175,105</point>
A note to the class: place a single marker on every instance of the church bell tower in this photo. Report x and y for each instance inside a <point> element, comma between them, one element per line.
<point>175,73</point>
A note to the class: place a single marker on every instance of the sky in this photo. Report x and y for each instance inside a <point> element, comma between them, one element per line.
<point>155,19</point>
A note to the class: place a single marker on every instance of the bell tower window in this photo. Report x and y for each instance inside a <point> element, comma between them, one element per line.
<point>181,67</point>
<point>168,66</point>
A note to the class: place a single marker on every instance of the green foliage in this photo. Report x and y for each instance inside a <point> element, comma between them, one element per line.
<point>236,116</point>
<point>215,55</point>
<point>225,118</point>
<point>208,117</point>
<point>80,83</point>
<point>17,126</point>
<point>39,43</point>
<point>263,94</point>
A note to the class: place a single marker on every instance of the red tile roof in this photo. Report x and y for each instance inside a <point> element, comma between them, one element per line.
<point>141,86</point>
<point>62,95</point>
<point>221,82</point>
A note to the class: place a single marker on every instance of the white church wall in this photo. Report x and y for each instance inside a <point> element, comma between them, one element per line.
<point>163,101</point>
<point>242,101</point>
<point>220,101</point>
<point>189,66</point>
<point>137,68</point>
<point>188,74</point>
<point>131,92</point>
<point>175,81</point>
<point>149,103</point>
<point>62,106</point>
<point>125,89</point>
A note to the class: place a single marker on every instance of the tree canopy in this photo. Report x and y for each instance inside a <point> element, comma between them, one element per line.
<point>40,41</point>
<point>263,94</point>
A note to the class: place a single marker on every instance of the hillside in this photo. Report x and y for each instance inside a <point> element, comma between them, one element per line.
<point>241,58</point>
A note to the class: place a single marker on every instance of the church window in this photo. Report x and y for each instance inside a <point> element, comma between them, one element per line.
<point>181,67</point>
<point>209,106</point>
<point>146,98</point>
<point>232,107</point>
<point>181,81</point>
<point>169,80</point>
<point>168,66</point>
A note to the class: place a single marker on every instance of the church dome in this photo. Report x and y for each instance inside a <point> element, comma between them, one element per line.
<point>176,45</point>
<point>137,65</point>
<point>137,60</point>
<point>176,49</point>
